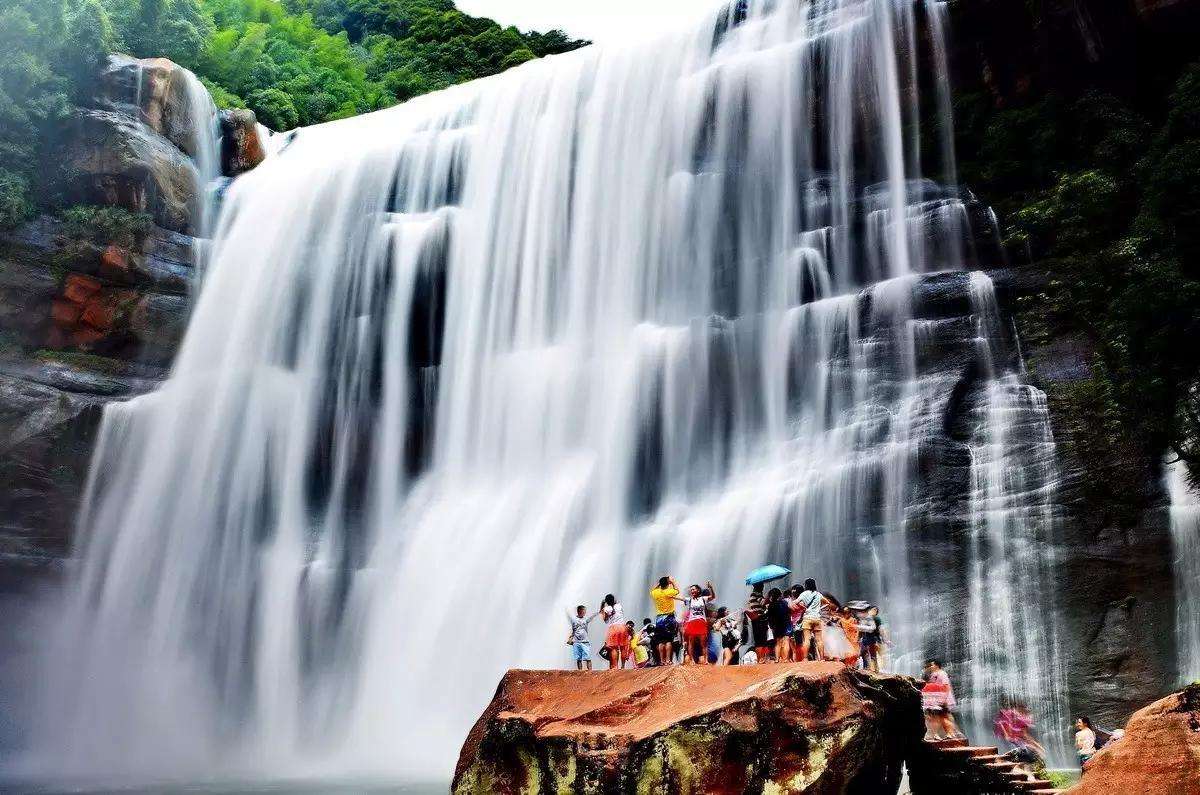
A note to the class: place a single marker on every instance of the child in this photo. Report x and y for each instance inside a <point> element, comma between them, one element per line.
<point>579,639</point>
<point>640,653</point>
<point>728,629</point>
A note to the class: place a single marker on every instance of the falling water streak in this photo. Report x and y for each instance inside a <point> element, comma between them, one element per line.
<point>459,363</point>
<point>204,148</point>
<point>1011,644</point>
<point>1185,537</point>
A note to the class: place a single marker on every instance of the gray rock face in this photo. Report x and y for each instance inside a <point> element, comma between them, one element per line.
<point>41,306</point>
<point>51,400</point>
<point>154,91</point>
<point>48,421</point>
<point>109,158</point>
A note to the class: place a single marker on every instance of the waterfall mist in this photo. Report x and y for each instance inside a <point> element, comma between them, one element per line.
<point>685,307</point>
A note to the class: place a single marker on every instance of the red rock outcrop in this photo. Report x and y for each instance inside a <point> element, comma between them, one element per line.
<point>241,147</point>
<point>1159,754</point>
<point>798,728</point>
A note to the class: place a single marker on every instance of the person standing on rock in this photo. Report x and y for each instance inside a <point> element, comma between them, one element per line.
<point>937,701</point>
<point>579,639</point>
<point>779,617</point>
<point>665,623</point>
<point>868,639</point>
<point>616,638</point>
<point>695,627</point>
<point>812,624</point>
<point>755,627</point>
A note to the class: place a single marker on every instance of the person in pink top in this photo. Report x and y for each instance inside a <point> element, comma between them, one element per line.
<point>937,701</point>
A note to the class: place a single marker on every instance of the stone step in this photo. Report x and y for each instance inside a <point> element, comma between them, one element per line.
<point>947,743</point>
<point>1000,763</point>
<point>1033,785</point>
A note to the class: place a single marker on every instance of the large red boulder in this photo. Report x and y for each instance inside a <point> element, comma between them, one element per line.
<point>1159,754</point>
<point>798,728</point>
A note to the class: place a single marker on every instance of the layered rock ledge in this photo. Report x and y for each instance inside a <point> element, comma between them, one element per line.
<point>797,728</point>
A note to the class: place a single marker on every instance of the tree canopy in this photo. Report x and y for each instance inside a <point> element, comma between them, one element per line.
<point>295,62</point>
<point>301,62</point>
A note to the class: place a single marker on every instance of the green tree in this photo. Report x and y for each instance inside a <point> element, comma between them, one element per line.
<point>274,108</point>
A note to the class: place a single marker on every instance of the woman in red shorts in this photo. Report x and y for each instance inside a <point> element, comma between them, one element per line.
<point>695,626</point>
<point>617,639</point>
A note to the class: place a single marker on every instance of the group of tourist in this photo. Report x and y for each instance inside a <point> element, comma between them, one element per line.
<point>801,623</point>
<point>792,625</point>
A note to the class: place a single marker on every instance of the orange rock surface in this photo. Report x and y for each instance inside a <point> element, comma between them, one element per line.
<point>1159,754</point>
<point>804,727</point>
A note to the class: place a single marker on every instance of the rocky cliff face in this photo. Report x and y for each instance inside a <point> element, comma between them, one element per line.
<point>799,728</point>
<point>1112,552</point>
<point>90,314</point>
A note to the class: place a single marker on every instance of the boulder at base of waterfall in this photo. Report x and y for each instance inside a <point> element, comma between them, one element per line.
<point>241,147</point>
<point>109,158</point>
<point>1159,754</point>
<point>795,728</point>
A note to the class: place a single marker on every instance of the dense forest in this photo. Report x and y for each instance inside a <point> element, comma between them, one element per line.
<point>294,63</point>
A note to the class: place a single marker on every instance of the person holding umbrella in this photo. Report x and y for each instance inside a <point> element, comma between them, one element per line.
<point>754,617</point>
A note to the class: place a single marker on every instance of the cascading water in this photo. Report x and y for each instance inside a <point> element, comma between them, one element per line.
<point>204,147</point>
<point>462,364</point>
<point>1185,535</point>
<point>1014,650</point>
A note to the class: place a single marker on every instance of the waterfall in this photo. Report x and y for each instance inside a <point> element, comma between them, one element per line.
<point>1014,648</point>
<point>684,307</point>
<point>1185,536</point>
<point>204,147</point>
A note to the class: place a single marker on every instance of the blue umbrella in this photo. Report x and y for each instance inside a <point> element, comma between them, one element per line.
<point>766,574</point>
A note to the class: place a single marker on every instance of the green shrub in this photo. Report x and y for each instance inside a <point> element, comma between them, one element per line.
<point>1062,779</point>
<point>102,224</point>
<point>16,205</point>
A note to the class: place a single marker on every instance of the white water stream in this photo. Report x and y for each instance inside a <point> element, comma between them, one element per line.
<point>464,363</point>
<point>1185,535</point>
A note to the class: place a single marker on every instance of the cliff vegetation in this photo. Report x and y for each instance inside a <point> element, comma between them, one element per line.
<point>294,63</point>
